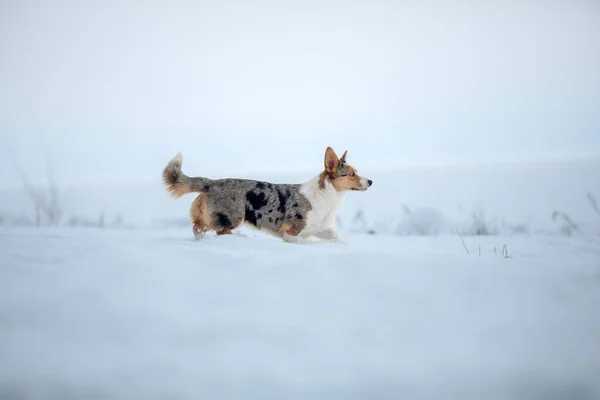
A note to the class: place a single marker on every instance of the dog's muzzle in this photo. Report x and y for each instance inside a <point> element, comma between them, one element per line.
<point>365,184</point>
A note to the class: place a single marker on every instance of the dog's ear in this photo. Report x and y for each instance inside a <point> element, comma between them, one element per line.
<point>332,162</point>
<point>343,159</point>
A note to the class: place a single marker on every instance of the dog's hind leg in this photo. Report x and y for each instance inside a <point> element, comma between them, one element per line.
<point>225,224</point>
<point>225,217</point>
<point>197,214</point>
<point>290,233</point>
<point>199,229</point>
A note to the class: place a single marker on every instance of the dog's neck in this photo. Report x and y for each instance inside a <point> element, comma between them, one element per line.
<point>322,186</point>
<point>325,203</point>
<point>323,191</point>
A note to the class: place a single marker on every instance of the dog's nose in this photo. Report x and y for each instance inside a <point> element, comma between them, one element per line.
<point>370,182</point>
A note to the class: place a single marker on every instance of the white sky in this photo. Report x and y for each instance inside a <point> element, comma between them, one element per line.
<point>116,88</point>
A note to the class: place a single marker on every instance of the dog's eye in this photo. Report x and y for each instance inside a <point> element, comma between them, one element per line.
<point>352,174</point>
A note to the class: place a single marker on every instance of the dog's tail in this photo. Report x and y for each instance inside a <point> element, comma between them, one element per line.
<point>177,183</point>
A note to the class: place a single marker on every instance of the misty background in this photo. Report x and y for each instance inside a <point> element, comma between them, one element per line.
<point>115,89</point>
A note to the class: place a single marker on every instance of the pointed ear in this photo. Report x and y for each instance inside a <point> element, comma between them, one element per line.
<point>343,159</point>
<point>331,161</point>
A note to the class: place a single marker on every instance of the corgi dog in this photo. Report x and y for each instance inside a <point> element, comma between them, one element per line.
<point>288,211</point>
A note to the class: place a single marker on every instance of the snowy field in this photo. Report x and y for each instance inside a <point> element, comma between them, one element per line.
<point>151,314</point>
<point>139,310</point>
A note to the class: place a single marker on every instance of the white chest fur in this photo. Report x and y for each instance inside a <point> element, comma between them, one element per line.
<point>325,204</point>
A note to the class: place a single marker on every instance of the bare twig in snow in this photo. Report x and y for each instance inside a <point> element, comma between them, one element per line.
<point>505,252</point>
<point>570,225</point>
<point>44,202</point>
<point>39,200</point>
<point>463,242</point>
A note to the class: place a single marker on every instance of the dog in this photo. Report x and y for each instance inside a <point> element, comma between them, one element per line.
<point>287,211</point>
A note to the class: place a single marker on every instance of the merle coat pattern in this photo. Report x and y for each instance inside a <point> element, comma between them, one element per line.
<point>224,204</point>
<point>285,210</point>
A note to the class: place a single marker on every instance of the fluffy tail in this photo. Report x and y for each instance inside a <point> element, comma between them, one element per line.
<point>177,183</point>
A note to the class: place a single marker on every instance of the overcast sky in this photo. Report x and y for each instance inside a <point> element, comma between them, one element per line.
<point>116,88</point>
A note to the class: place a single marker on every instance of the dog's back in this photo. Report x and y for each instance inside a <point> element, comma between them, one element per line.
<point>224,204</point>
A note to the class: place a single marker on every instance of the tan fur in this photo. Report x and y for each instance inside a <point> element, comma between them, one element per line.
<point>331,161</point>
<point>322,178</point>
<point>292,229</point>
<point>284,228</point>
<point>172,179</point>
<point>199,216</point>
<point>343,158</point>
<point>176,191</point>
<point>347,182</point>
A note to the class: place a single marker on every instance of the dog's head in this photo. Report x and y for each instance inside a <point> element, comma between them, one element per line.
<point>343,176</point>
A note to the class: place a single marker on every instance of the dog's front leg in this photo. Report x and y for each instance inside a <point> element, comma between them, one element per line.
<point>289,238</point>
<point>330,235</point>
<point>295,239</point>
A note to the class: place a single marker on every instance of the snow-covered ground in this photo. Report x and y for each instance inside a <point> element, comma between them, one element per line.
<point>151,314</point>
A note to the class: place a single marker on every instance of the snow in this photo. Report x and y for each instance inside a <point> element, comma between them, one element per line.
<point>150,313</point>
